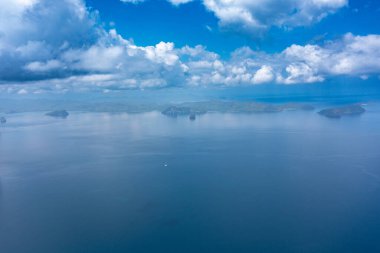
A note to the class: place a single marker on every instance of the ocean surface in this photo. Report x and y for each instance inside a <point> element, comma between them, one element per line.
<point>145,183</point>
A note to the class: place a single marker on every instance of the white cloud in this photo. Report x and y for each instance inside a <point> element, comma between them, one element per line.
<point>32,31</point>
<point>22,92</point>
<point>174,2</point>
<point>37,66</point>
<point>85,56</point>
<point>132,1</point>
<point>163,52</point>
<point>96,58</point>
<point>353,55</point>
<point>263,75</point>
<point>300,73</point>
<point>253,16</point>
<point>178,2</point>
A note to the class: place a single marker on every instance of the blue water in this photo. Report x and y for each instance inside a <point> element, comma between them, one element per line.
<point>145,183</point>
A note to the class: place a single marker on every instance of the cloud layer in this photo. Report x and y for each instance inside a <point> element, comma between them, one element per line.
<point>256,16</point>
<point>45,42</point>
<point>174,2</point>
<point>251,16</point>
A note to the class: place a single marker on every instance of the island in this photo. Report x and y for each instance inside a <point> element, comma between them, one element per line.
<point>192,117</point>
<point>338,112</point>
<point>3,120</point>
<point>192,109</point>
<point>58,114</point>
<point>175,111</point>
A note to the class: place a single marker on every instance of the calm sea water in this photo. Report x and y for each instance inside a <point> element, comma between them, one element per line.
<point>145,183</point>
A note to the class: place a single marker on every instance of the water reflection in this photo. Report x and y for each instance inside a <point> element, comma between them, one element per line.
<point>96,182</point>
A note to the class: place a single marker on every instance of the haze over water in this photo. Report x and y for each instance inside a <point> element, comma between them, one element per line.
<point>100,182</point>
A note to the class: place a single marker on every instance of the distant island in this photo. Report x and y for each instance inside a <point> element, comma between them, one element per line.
<point>192,109</point>
<point>192,117</point>
<point>3,120</point>
<point>338,112</point>
<point>58,114</point>
<point>175,111</point>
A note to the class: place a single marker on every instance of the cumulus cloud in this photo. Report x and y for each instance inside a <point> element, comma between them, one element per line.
<point>60,45</point>
<point>37,66</point>
<point>132,1</point>
<point>256,16</point>
<point>178,2</point>
<point>39,31</point>
<point>355,56</point>
<point>253,16</point>
<point>263,75</point>
<point>174,2</point>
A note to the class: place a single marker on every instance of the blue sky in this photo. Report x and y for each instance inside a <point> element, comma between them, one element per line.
<point>153,21</point>
<point>128,44</point>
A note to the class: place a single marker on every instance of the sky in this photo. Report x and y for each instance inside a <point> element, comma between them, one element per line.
<point>129,44</point>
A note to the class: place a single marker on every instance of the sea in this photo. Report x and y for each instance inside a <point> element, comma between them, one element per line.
<point>97,182</point>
